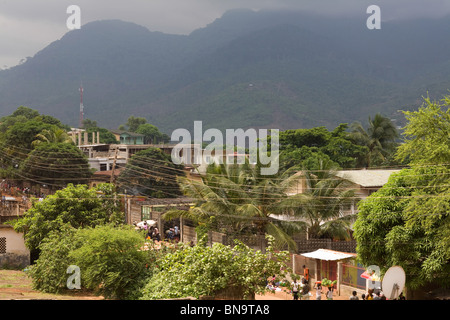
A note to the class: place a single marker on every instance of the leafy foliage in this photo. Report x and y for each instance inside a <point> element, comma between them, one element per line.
<point>151,172</point>
<point>109,257</point>
<point>77,206</point>
<point>56,164</point>
<point>201,270</point>
<point>237,200</point>
<point>406,223</point>
<point>111,260</point>
<point>380,139</point>
<point>49,272</point>
<point>302,146</point>
<point>427,133</point>
<point>323,197</point>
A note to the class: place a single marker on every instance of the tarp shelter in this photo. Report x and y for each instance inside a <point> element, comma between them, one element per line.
<point>328,255</point>
<point>326,265</point>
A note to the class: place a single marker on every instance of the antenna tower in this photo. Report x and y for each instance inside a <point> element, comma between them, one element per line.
<point>81,106</point>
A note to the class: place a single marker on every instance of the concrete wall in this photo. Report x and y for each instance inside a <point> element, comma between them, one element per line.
<point>16,255</point>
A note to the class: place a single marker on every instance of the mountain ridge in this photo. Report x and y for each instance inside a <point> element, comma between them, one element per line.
<point>266,69</point>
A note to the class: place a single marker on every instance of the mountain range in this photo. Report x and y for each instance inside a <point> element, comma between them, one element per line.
<point>258,69</point>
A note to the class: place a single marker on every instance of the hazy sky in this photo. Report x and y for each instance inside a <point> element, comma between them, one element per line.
<point>27,26</point>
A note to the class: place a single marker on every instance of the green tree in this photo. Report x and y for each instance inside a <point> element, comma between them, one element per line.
<point>237,200</point>
<point>379,137</point>
<point>112,261</point>
<point>56,164</point>
<point>150,132</point>
<point>201,270</point>
<point>320,205</point>
<point>77,206</point>
<point>20,136</point>
<point>298,145</point>
<point>88,123</point>
<point>151,172</point>
<point>54,135</point>
<point>133,123</point>
<point>49,272</point>
<point>407,221</point>
<point>427,134</point>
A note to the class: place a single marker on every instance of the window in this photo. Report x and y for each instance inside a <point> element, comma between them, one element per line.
<point>2,245</point>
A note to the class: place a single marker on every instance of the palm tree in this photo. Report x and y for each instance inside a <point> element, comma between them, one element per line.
<point>56,135</point>
<point>236,200</point>
<point>320,206</point>
<point>379,138</point>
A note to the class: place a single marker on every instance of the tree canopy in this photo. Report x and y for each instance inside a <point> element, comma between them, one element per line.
<point>56,164</point>
<point>77,206</point>
<point>407,221</point>
<point>151,172</point>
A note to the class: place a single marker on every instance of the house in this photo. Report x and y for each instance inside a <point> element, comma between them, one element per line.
<point>225,158</point>
<point>13,252</point>
<point>104,177</point>
<point>364,182</point>
<point>128,138</point>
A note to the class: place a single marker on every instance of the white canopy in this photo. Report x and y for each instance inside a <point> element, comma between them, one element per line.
<point>328,255</point>
<point>149,223</point>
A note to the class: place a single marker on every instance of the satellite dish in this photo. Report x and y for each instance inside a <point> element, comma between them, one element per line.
<point>393,282</point>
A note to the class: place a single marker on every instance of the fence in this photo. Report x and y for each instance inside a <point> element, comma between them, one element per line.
<point>309,245</point>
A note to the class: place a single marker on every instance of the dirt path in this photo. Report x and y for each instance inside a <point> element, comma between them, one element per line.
<point>16,285</point>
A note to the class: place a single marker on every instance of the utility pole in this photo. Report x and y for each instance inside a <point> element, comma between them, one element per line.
<point>114,166</point>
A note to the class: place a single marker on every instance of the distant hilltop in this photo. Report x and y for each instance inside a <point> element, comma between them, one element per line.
<point>279,70</point>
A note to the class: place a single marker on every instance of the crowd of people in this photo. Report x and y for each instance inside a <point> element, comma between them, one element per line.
<point>152,233</point>
<point>373,294</point>
<point>301,291</point>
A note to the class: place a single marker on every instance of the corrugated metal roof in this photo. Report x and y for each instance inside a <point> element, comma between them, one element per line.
<point>366,178</point>
<point>328,255</point>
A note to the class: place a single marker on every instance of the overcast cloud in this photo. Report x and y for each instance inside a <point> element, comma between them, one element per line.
<point>28,26</point>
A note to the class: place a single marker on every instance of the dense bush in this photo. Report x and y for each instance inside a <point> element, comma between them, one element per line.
<point>110,260</point>
<point>49,272</point>
<point>201,270</point>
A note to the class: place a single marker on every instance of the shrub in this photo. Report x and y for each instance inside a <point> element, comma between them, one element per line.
<point>49,272</point>
<point>111,261</point>
<point>200,270</point>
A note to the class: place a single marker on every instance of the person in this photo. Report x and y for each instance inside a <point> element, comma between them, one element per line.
<point>354,296</point>
<point>305,289</point>
<point>330,293</point>
<point>377,296</point>
<point>156,236</point>
<point>319,291</point>
<point>295,287</point>
<point>306,272</point>
<point>170,234</point>
<point>369,295</point>
<point>176,233</point>
<point>273,281</point>
<point>382,296</point>
<point>401,296</point>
